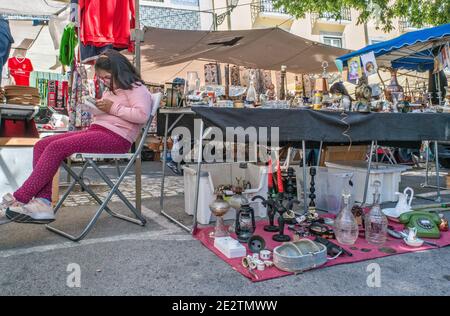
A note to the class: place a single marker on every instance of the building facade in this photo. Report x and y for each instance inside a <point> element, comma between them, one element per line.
<point>177,14</point>
<point>249,14</point>
<point>345,33</point>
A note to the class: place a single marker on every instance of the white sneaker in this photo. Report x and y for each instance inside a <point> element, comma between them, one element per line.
<point>35,212</point>
<point>8,200</point>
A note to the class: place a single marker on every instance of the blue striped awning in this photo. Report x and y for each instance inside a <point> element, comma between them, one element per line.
<point>411,51</point>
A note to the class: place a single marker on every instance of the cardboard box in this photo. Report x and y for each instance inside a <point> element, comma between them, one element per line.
<point>343,153</point>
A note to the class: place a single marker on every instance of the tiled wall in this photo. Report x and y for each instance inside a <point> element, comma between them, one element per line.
<point>170,18</point>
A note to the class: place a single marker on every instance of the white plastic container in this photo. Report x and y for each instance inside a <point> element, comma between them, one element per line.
<point>329,185</point>
<point>213,175</point>
<point>230,247</point>
<point>388,175</point>
<point>15,167</point>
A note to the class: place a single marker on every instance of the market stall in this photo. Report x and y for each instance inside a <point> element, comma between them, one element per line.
<point>424,50</point>
<point>25,89</point>
<point>379,116</point>
<point>42,103</point>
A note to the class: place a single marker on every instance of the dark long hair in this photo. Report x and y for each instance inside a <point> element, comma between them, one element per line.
<point>123,74</point>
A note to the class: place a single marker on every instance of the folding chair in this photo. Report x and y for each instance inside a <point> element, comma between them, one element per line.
<point>78,178</point>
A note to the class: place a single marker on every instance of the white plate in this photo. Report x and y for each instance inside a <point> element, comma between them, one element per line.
<point>392,214</point>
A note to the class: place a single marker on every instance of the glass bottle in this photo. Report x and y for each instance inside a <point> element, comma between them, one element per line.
<point>346,227</point>
<point>393,87</point>
<point>376,222</point>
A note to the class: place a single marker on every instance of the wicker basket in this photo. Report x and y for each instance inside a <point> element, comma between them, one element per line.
<point>299,256</point>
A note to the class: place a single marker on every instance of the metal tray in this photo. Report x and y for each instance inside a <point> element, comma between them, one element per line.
<point>299,256</point>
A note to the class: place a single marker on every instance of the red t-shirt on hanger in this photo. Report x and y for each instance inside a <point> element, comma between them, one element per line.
<point>20,69</point>
<point>106,22</point>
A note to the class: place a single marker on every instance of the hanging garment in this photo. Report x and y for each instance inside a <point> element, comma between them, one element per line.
<point>5,43</point>
<point>68,44</point>
<point>73,14</point>
<point>89,51</point>
<point>20,69</point>
<point>106,22</point>
<point>235,76</point>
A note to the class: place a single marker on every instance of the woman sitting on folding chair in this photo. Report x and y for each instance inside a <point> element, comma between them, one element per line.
<point>127,105</point>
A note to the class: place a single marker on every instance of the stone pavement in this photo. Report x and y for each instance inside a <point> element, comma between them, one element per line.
<point>119,258</point>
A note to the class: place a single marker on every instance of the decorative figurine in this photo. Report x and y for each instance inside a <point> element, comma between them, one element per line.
<point>270,93</point>
<point>271,211</point>
<point>312,189</point>
<point>281,209</point>
<point>290,187</point>
<point>363,94</point>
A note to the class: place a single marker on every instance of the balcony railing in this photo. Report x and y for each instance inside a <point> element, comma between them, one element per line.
<point>268,6</point>
<point>346,16</point>
<point>265,6</point>
<point>405,25</point>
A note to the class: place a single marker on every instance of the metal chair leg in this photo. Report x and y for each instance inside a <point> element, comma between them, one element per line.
<point>103,204</point>
<point>120,195</point>
<point>118,167</point>
<point>85,231</point>
<point>86,188</point>
<point>69,189</point>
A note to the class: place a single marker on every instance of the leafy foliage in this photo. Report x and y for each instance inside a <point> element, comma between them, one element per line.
<point>384,12</point>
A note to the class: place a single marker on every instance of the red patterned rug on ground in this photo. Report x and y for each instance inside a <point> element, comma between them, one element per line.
<point>398,245</point>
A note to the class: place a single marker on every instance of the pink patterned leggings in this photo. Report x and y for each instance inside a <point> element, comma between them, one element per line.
<point>51,151</point>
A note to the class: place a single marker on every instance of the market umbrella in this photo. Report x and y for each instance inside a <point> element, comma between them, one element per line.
<point>410,51</point>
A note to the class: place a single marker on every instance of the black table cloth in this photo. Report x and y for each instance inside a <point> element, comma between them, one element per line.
<point>296,125</point>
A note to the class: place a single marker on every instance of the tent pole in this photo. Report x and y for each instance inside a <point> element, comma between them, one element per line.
<point>137,63</point>
<point>137,38</point>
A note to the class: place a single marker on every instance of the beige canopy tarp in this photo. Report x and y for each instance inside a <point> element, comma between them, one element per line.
<point>267,49</point>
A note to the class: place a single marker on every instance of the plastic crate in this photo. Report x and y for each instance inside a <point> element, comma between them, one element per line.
<point>388,175</point>
<point>213,175</point>
<point>329,185</point>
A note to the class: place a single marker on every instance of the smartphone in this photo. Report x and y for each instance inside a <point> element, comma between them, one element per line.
<point>90,100</point>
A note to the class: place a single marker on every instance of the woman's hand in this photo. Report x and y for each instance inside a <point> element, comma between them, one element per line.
<point>104,105</point>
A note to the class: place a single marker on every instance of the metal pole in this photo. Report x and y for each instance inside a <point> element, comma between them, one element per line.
<point>199,168</point>
<point>438,75</point>
<point>438,184</point>
<point>369,166</point>
<point>137,39</point>
<point>427,164</point>
<point>376,151</point>
<point>166,131</point>
<point>137,61</point>
<point>138,180</point>
<point>319,156</point>
<point>305,180</point>
<point>228,15</point>
<point>214,16</point>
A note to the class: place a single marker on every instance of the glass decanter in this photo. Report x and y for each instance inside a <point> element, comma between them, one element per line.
<point>345,225</point>
<point>376,222</point>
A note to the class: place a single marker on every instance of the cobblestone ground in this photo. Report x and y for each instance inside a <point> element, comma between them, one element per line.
<point>151,188</point>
